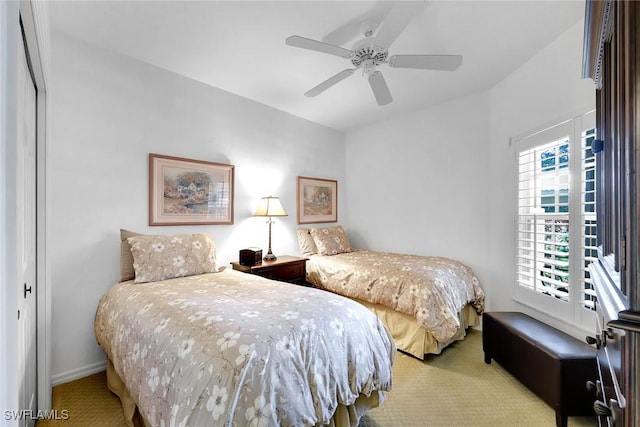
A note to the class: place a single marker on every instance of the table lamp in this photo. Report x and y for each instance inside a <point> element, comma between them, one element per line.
<point>270,206</point>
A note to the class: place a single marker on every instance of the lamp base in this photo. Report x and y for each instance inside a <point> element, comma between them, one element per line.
<point>270,257</point>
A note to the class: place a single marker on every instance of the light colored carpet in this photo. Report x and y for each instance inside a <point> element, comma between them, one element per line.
<point>88,402</point>
<point>455,388</point>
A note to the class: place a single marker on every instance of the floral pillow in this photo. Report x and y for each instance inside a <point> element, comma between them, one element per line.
<point>331,241</point>
<point>165,257</point>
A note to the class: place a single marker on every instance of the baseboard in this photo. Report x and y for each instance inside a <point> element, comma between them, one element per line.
<point>74,374</point>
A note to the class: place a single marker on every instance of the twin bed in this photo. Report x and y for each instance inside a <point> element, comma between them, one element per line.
<point>425,302</point>
<point>190,345</point>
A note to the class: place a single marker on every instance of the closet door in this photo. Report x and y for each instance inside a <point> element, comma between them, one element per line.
<point>26,238</point>
<point>612,59</point>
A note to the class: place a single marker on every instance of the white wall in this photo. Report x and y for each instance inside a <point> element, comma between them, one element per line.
<point>546,89</point>
<point>417,184</point>
<point>109,112</point>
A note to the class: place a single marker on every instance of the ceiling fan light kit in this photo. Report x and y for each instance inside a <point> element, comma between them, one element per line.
<point>372,51</point>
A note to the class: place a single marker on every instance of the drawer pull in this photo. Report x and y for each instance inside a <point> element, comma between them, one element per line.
<point>601,408</point>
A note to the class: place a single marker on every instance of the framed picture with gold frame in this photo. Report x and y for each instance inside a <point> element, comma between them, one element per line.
<point>317,200</point>
<point>189,192</point>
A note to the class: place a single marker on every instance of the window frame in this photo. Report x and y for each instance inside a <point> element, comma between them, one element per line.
<point>572,311</point>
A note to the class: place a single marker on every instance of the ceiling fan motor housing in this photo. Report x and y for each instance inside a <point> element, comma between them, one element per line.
<point>370,55</point>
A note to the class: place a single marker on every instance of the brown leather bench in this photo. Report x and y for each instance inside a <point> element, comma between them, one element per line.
<point>552,364</point>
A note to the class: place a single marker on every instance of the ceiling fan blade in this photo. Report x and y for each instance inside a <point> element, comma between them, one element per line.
<point>426,62</point>
<point>396,21</point>
<point>329,82</point>
<point>319,46</point>
<point>380,88</point>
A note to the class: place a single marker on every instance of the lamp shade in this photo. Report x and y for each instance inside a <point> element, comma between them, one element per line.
<point>270,206</point>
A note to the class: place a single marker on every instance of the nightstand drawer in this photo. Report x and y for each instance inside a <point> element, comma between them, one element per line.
<point>286,268</point>
<point>285,273</point>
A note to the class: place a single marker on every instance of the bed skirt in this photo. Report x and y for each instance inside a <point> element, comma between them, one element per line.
<point>412,338</point>
<point>345,416</point>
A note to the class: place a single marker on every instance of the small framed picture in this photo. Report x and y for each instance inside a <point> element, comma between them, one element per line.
<point>189,192</point>
<point>317,200</point>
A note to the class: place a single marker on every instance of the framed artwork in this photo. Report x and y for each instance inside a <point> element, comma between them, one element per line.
<point>317,200</point>
<point>189,192</point>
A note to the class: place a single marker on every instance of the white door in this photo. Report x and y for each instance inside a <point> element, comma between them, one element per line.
<point>26,239</point>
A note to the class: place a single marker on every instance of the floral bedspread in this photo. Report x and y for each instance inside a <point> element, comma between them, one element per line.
<point>431,289</point>
<point>236,349</point>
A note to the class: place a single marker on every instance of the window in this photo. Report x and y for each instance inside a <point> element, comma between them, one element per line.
<point>556,220</point>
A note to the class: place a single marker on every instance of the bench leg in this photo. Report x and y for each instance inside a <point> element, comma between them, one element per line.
<point>561,420</point>
<point>487,358</point>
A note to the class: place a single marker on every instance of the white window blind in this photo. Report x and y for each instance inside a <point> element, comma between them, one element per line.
<point>543,219</point>
<point>556,218</point>
<point>588,217</point>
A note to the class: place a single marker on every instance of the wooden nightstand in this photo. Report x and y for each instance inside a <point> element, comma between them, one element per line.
<point>286,268</point>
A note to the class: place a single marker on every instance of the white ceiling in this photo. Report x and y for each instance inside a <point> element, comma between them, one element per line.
<point>238,46</point>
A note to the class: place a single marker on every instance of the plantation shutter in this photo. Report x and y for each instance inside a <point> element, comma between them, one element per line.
<point>589,249</point>
<point>543,218</point>
<point>556,217</point>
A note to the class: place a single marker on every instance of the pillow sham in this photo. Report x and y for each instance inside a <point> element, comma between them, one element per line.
<point>305,242</point>
<point>162,257</point>
<point>126,257</point>
<point>331,240</point>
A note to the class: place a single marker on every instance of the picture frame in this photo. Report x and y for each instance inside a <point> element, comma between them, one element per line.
<point>189,192</point>
<point>317,200</point>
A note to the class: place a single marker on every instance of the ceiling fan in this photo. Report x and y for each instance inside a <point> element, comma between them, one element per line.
<point>373,50</point>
